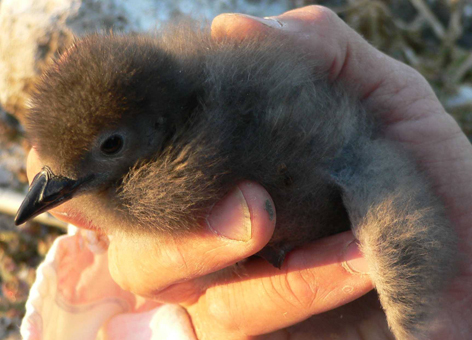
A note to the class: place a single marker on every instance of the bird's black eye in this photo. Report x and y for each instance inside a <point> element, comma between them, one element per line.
<point>112,145</point>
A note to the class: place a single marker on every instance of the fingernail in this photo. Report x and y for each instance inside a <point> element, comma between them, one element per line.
<point>354,261</point>
<point>267,21</point>
<point>273,22</point>
<point>230,217</point>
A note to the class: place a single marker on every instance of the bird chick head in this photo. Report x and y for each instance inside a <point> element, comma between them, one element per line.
<point>107,104</point>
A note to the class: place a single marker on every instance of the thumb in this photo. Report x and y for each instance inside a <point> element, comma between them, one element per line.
<point>168,267</point>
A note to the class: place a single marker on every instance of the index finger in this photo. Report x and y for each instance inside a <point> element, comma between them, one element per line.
<point>313,279</point>
<point>385,86</point>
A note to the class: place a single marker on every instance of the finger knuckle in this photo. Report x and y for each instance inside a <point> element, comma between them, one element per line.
<point>296,289</point>
<point>321,15</point>
<point>223,310</point>
<point>302,287</point>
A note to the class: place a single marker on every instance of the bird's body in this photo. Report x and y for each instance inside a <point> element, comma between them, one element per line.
<point>159,129</point>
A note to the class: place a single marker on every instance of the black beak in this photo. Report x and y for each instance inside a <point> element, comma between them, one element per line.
<point>46,192</point>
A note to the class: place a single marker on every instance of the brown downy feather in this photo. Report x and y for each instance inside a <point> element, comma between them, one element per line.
<point>199,116</point>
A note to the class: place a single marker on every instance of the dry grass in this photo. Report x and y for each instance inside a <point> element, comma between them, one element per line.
<point>434,37</point>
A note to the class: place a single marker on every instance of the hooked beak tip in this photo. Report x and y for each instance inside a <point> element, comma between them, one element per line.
<point>46,192</point>
<point>20,219</point>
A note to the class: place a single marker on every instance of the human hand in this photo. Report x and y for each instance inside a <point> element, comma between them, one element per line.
<point>412,115</point>
<point>263,299</point>
<point>312,279</point>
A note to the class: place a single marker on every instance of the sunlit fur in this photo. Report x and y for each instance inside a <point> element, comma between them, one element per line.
<point>227,111</point>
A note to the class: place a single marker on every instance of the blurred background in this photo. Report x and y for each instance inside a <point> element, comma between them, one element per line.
<point>433,36</point>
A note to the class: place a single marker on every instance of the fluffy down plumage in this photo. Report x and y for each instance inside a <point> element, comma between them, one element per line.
<point>197,116</point>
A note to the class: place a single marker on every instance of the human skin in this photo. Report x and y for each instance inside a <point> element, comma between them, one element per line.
<point>284,304</point>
